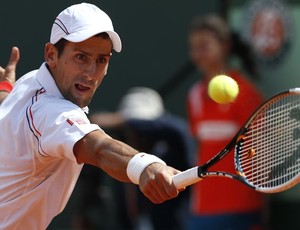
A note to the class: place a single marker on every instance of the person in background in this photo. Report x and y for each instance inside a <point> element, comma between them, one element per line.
<point>147,126</point>
<point>219,203</point>
<point>8,74</point>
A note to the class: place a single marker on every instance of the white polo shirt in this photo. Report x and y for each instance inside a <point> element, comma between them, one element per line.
<point>38,170</point>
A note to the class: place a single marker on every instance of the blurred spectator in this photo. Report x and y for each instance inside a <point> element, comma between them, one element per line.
<point>218,203</point>
<point>149,128</point>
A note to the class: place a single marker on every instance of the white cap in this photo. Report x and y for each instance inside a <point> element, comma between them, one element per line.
<point>79,22</point>
<point>141,103</point>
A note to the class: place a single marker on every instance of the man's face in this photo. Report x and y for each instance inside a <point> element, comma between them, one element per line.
<point>80,68</point>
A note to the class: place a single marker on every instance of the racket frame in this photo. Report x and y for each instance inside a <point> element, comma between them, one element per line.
<point>197,173</point>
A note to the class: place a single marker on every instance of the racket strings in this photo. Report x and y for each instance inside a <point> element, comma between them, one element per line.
<point>266,182</point>
<point>269,146</point>
<point>274,141</point>
<point>289,172</point>
<point>273,112</point>
<point>248,166</point>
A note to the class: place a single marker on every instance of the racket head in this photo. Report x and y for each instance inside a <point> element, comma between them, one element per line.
<point>267,152</point>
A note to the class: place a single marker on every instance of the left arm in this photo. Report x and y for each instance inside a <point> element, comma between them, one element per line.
<point>8,74</point>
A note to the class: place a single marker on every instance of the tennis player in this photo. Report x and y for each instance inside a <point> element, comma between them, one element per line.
<point>46,136</point>
<point>8,74</point>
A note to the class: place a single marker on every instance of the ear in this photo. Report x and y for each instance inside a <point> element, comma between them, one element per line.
<point>106,69</point>
<point>51,55</point>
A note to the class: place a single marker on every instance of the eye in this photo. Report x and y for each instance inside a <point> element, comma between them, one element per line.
<point>81,57</point>
<point>102,60</point>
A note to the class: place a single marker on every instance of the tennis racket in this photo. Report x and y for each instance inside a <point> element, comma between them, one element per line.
<point>267,148</point>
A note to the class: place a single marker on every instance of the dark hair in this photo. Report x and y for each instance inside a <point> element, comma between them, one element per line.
<point>212,23</point>
<point>60,45</point>
<point>221,30</point>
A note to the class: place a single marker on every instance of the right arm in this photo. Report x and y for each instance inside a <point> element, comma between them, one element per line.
<point>112,156</point>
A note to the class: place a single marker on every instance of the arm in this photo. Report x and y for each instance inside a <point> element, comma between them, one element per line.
<point>8,75</point>
<point>113,156</point>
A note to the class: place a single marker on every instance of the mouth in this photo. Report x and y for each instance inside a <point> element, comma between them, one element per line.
<point>82,88</point>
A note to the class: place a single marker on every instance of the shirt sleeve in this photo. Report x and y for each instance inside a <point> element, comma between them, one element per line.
<point>57,126</point>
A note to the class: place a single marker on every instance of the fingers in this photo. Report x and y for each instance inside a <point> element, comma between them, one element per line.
<point>14,58</point>
<point>156,183</point>
<point>2,72</point>
<point>175,171</point>
<point>162,186</point>
<point>9,73</point>
<point>153,195</point>
<point>169,187</point>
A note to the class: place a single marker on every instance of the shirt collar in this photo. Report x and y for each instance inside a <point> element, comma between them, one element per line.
<point>46,80</point>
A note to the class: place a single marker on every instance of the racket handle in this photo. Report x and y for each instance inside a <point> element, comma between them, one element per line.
<point>186,178</point>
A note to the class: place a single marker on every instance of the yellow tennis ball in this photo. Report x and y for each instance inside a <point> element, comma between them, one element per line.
<point>223,89</point>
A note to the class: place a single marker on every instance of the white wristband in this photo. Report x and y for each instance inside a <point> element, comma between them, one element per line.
<point>138,163</point>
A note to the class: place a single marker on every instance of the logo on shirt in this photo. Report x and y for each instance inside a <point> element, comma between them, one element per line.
<point>77,121</point>
<point>70,122</point>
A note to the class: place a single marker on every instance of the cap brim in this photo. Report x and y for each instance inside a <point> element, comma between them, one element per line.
<point>116,40</point>
<point>88,33</point>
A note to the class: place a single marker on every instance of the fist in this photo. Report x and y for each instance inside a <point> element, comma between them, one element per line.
<point>156,183</point>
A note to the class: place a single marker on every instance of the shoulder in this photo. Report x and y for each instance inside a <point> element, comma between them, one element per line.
<point>56,110</point>
<point>26,76</point>
<point>23,90</point>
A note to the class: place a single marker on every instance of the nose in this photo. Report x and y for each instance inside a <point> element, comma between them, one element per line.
<point>90,70</point>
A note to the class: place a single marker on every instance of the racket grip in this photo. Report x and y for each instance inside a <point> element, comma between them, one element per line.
<point>186,178</point>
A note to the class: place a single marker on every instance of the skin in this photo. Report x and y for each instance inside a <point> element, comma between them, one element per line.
<point>80,69</point>
<point>78,72</point>
<point>9,72</point>
<point>208,53</point>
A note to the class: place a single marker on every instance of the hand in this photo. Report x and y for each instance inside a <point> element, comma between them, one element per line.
<point>156,183</point>
<point>9,73</point>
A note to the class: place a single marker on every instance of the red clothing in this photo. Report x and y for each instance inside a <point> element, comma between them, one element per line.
<point>214,125</point>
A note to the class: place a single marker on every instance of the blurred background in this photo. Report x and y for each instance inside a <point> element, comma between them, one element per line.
<point>155,55</point>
